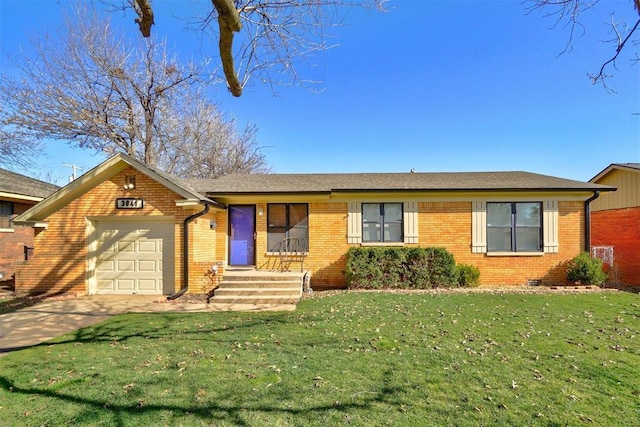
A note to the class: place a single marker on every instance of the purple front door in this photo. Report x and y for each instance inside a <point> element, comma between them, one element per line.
<point>242,230</point>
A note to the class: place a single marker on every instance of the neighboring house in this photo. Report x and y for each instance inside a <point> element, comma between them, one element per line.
<point>615,220</point>
<point>121,227</point>
<point>17,194</point>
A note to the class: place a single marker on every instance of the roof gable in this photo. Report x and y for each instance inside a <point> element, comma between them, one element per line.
<point>629,167</point>
<point>99,174</point>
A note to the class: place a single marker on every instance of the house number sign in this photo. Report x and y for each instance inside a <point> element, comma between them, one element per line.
<point>129,203</point>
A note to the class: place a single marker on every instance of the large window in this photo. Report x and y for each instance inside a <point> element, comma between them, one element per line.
<point>514,227</point>
<point>288,227</point>
<point>382,222</point>
<point>6,212</point>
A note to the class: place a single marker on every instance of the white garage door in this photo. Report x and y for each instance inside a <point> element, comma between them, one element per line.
<point>134,257</point>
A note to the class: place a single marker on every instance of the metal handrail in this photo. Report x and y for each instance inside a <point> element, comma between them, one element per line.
<point>292,249</point>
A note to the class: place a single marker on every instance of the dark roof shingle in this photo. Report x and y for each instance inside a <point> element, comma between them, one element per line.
<point>15,183</point>
<point>436,181</point>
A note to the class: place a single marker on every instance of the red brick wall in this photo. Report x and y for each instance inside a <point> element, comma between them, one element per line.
<point>620,228</point>
<point>12,243</point>
<point>12,249</point>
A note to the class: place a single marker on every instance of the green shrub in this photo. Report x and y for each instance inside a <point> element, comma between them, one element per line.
<point>468,275</point>
<point>392,262</point>
<point>364,269</point>
<point>586,270</point>
<point>442,267</point>
<point>416,268</point>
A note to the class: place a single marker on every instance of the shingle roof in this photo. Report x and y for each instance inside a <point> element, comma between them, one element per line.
<point>438,181</point>
<point>181,183</point>
<point>14,183</point>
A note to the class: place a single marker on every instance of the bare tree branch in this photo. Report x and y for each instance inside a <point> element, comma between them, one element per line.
<point>569,11</point>
<point>600,76</point>
<point>266,39</point>
<point>100,93</point>
<point>16,152</point>
<point>145,16</point>
<point>210,144</point>
<point>228,22</point>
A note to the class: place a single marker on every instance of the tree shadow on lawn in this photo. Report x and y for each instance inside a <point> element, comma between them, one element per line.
<point>161,326</point>
<point>212,411</point>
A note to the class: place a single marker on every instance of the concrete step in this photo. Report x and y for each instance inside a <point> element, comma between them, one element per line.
<point>287,292</point>
<point>263,277</point>
<point>255,300</point>
<point>229,284</point>
<point>258,288</point>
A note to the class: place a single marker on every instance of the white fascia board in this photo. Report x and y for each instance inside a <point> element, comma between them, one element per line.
<point>35,224</point>
<point>19,197</point>
<point>188,203</point>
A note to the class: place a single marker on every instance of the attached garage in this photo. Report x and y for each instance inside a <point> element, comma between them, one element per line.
<point>121,228</point>
<point>133,257</point>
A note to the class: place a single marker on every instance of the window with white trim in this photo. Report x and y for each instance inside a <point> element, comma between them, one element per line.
<point>382,222</point>
<point>6,213</point>
<point>409,223</point>
<point>514,227</point>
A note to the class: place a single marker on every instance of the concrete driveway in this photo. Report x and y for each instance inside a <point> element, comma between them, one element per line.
<point>36,324</point>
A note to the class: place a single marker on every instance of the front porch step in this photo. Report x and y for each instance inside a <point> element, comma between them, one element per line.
<point>253,300</point>
<point>287,292</point>
<point>269,284</point>
<point>256,276</point>
<point>261,288</point>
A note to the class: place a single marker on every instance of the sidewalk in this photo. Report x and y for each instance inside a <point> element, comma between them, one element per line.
<point>33,325</point>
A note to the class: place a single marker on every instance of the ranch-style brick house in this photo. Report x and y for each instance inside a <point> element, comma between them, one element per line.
<point>125,228</point>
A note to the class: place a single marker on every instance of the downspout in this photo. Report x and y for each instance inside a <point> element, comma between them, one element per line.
<point>185,253</point>
<point>587,221</point>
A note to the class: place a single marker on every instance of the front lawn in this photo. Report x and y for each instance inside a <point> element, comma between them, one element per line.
<point>352,358</point>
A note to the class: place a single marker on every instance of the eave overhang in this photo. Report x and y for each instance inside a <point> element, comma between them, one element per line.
<point>14,197</point>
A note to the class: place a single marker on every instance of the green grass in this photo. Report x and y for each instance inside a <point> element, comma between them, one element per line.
<point>353,358</point>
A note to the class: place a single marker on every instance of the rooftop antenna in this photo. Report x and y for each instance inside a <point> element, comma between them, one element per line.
<point>73,167</point>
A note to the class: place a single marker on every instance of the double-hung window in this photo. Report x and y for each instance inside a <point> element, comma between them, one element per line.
<point>288,225</point>
<point>382,222</point>
<point>6,212</point>
<point>514,227</point>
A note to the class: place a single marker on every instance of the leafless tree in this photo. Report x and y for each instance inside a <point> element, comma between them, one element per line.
<point>15,152</point>
<point>210,145</point>
<point>96,91</point>
<point>101,93</point>
<point>569,12</point>
<point>273,35</point>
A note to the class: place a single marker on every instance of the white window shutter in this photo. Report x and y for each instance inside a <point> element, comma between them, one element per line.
<point>354,223</point>
<point>479,227</point>
<point>550,227</point>
<point>410,220</point>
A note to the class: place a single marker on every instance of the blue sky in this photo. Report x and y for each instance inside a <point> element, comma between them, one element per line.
<point>430,85</point>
